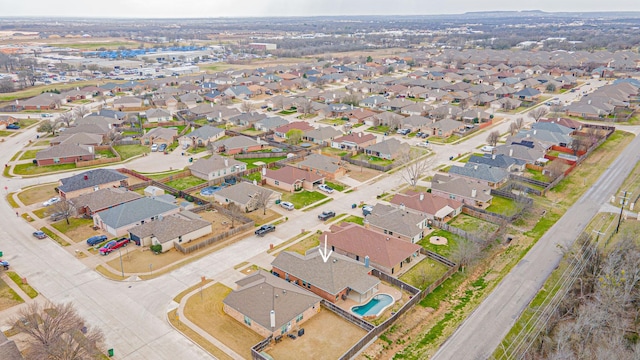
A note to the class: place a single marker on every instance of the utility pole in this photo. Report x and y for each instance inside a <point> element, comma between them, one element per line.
<point>623,200</point>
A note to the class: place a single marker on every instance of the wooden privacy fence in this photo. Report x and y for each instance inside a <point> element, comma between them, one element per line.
<point>187,249</point>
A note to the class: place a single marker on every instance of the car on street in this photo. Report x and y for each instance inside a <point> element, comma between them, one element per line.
<point>287,205</point>
<point>95,240</point>
<point>265,229</point>
<point>154,147</point>
<point>39,234</point>
<point>326,188</point>
<point>487,148</point>
<point>13,127</point>
<point>113,245</point>
<point>325,215</point>
<point>51,201</point>
<point>4,264</point>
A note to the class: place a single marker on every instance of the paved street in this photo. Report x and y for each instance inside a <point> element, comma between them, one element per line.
<point>484,329</point>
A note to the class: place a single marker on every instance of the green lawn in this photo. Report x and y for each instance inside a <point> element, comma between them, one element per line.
<point>254,176</point>
<point>379,129</point>
<point>6,133</point>
<point>33,169</point>
<point>537,175</point>
<point>287,112</point>
<point>335,186</point>
<point>129,151</point>
<point>373,160</point>
<point>185,182</point>
<point>250,162</point>
<point>334,151</point>
<point>31,292</point>
<point>303,198</point>
<point>27,122</point>
<point>424,273</point>
<point>162,175</point>
<point>337,121</point>
<point>29,154</point>
<point>473,225</point>
<point>354,219</point>
<point>105,153</point>
<point>503,206</point>
<point>74,223</point>
<point>444,250</point>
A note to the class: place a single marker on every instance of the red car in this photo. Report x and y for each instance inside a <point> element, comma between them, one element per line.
<point>113,245</point>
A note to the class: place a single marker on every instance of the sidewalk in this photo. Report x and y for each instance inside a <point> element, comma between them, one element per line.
<point>14,311</point>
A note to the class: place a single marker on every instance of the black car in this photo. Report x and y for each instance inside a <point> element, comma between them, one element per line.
<point>95,240</point>
<point>265,229</point>
<point>326,215</point>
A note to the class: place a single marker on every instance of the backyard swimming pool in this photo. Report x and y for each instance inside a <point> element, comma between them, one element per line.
<point>374,307</point>
<point>209,190</point>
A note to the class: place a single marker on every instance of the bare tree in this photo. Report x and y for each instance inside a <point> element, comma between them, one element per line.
<point>554,169</point>
<point>513,128</point>
<point>493,137</point>
<point>519,123</point>
<point>66,118</point>
<point>235,211</point>
<point>413,170</point>
<point>46,127</point>
<point>306,107</point>
<point>537,113</point>
<point>246,107</point>
<point>263,200</point>
<point>56,331</point>
<point>64,208</point>
<point>466,253</point>
<point>82,111</point>
<point>6,85</point>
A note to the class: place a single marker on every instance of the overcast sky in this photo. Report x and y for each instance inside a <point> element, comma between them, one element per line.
<point>241,8</point>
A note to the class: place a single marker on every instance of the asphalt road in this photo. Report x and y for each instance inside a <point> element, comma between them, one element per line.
<point>481,333</point>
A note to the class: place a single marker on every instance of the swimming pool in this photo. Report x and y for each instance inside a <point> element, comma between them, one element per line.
<point>374,307</point>
<point>209,190</point>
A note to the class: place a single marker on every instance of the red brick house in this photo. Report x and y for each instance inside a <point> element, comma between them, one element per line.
<point>292,179</point>
<point>64,154</point>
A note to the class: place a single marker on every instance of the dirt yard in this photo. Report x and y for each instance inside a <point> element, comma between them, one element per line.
<point>8,297</point>
<point>79,233</point>
<point>137,259</point>
<point>260,219</point>
<point>326,336</point>
<point>361,174</point>
<point>220,221</point>
<point>38,194</point>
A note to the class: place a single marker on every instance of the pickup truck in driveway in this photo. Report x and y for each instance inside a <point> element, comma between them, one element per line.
<point>326,215</point>
<point>113,245</point>
<point>265,229</point>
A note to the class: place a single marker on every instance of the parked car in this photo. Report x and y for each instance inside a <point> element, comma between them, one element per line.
<point>487,148</point>
<point>39,234</point>
<point>424,135</point>
<point>287,205</point>
<point>4,264</point>
<point>51,201</point>
<point>424,144</point>
<point>367,209</point>
<point>403,131</point>
<point>162,147</point>
<point>113,245</point>
<point>95,240</point>
<point>326,188</point>
<point>154,147</point>
<point>265,229</point>
<point>326,215</point>
<point>13,127</point>
<point>185,146</point>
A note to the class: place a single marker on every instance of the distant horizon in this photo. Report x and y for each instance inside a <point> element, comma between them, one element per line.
<point>206,9</point>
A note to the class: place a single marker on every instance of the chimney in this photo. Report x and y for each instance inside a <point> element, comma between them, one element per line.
<point>589,102</point>
<point>351,106</point>
<point>264,171</point>
<point>493,156</point>
<point>366,261</point>
<point>359,134</point>
<point>375,101</point>
<point>475,167</point>
<point>421,196</point>
<point>450,111</point>
<point>211,104</point>
<point>402,207</point>
<point>510,152</point>
<point>473,193</point>
<point>272,318</point>
<point>535,131</point>
<point>226,162</point>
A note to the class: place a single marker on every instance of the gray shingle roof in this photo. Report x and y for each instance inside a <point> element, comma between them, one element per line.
<point>94,177</point>
<point>105,198</point>
<point>64,150</point>
<point>214,163</point>
<point>320,162</point>
<point>333,276</point>
<point>242,192</point>
<point>134,211</point>
<point>205,132</point>
<point>262,292</point>
<point>169,227</point>
<point>9,349</point>
<point>395,220</point>
<point>462,187</point>
<point>496,160</point>
<point>236,142</point>
<point>480,172</point>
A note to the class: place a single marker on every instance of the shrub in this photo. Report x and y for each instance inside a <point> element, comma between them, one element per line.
<point>156,248</point>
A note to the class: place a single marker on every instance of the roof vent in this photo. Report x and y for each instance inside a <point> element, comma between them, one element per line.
<point>86,177</point>
<point>335,261</point>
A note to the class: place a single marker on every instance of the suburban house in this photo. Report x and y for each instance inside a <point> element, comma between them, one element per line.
<point>338,278</point>
<point>270,123</point>
<point>201,136</point>
<point>127,103</point>
<point>119,219</point>
<point>216,167</point>
<point>8,349</point>
<point>323,135</point>
<point>354,141</point>
<point>527,94</point>
<point>292,179</point>
<point>324,165</point>
<point>44,101</point>
<point>238,144</point>
<point>77,139</point>
<point>501,161</point>
<point>191,100</point>
<point>548,136</point>
<point>444,128</point>
<point>385,253</point>
<point>415,122</point>
<point>281,132</point>
<point>240,92</point>
<point>65,154</point>
<point>388,149</point>
<point>159,135</point>
<point>360,115</point>
<point>467,191</point>
<point>247,119</point>
<point>102,199</point>
<point>245,195</point>
<point>397,222</point>
<point>433,207</point>
<point>158,115</point>
<point>526,150</point>
<point>6,120</point>
<point>90,181</point>
<point>98,128</point>
<point>492,176</point>
<point>169,230</point>
<point>269,305</point>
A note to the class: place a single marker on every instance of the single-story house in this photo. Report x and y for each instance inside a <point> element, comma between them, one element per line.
<point>500,161</point>
<point>158,115</point>
<point>127,103</point>
<point>385,253</point>
<point>281,132</point>
<point>102,199</point>
<point>444,128</point>
<point>433,207</point>
<point>238,144</point>
<point>77,139</point>
<point>324,165</point>
<point>216,167</point>
<point>169,230</point>
<point>323,135</point>
<point>245,195</point>
<point>118,220</point>
<point>337,279</point>
<point>270,123</point>
<point>292,179</point>
<point>269,305</point>
<point>397,222</point>
<point>467,191</point>
<point>492,176</point>
<point>388,149</point>
<point>201,136</point>
<point>354,141</point>
<point>90,181</point>
<point>44,101</point>
<point>65,154</point>
<point>159,135</point>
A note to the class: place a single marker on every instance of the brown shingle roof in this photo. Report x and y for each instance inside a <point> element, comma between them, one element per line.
<point>424,202</point>
<point>290,175</point>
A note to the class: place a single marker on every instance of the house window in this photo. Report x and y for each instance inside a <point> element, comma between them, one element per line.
<point>56,160</point>
<point>277,182</point>
<point>180,238</point>
<point>286,276</point>
<point>308,285</point>
<point>247,320</point>
<point>299,318</point>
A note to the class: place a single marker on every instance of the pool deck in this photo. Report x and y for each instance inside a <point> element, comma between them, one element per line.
<point>382,289</point>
